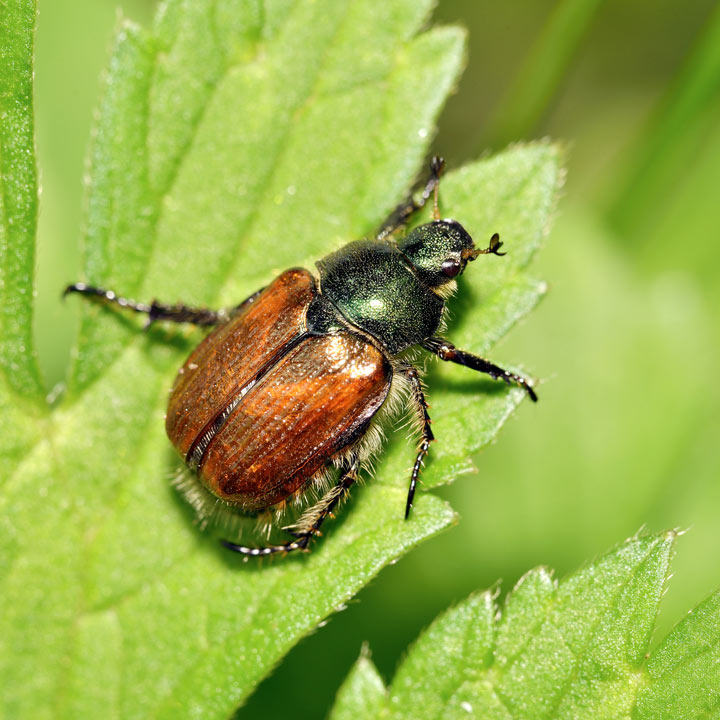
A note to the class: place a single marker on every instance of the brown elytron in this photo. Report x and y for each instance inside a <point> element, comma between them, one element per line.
<point>257,426</point>
<point>229,357</point>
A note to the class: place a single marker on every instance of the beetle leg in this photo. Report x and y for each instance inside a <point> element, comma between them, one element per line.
<point>420,407</point>
<point>179,313</point>
<point>447,351</point>
<point>400,215</point>
<point>309,523</point>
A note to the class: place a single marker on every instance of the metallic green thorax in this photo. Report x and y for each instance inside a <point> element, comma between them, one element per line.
<point>388,292</point>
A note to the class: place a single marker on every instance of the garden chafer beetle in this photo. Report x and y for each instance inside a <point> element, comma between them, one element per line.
<point>294,383</point>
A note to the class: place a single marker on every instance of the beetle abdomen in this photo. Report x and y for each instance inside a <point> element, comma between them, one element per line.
<point>230,356</point>
<point>313,403</point>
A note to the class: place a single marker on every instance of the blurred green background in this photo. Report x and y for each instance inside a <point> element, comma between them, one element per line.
<point>627,342</point>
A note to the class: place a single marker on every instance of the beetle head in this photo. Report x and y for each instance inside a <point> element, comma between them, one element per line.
<point>440,250</point>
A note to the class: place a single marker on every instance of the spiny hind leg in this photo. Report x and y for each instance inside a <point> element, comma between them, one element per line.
<point>308,525</point>
<point>420,408</point>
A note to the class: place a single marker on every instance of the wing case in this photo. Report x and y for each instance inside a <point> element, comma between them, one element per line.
<point>230,356</point>
<point>315,401</point>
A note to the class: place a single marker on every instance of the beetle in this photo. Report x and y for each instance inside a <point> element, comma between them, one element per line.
<point>298,378</point>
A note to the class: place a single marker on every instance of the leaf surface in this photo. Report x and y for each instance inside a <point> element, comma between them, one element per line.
<point>234,139</point>
<point>20,384</point>
<point>576,649</point>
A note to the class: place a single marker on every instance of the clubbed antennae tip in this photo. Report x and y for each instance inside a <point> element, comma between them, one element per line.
<point>492,249</point>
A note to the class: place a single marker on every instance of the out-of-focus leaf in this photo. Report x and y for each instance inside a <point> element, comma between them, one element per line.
<point>531,92</point>
<point>234,139</point>
<point>576,649</point>
<point>676,137</point>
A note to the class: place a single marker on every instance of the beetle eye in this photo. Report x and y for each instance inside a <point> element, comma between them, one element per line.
<point>451,267</point>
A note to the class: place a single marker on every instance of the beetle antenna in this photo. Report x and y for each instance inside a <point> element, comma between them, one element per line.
<point>492,249</point>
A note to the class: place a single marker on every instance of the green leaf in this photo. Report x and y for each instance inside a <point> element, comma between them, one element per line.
<point>18,199</point>
<point>20,385</point>
<point>684,671</point>
<point>575,649</point>
<point>363,693</point>
<point>234,139</point>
